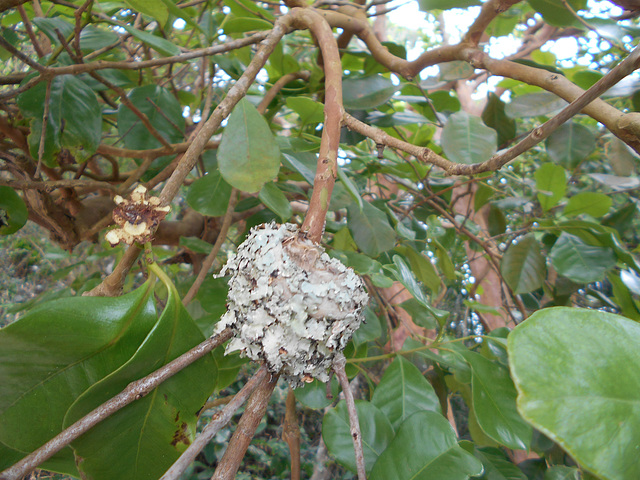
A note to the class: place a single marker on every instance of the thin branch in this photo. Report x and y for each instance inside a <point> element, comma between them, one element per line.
<point>111,286</point>
<point>43,128</point>
<point>51,185</point>
<point>279,85</point>
<point>222,236</point>
<point>339,368</point>
<point>29,28</point>
<point>218,421</point>
<point>253,413</point>
<point>134,391</point>
<point>291,434</point>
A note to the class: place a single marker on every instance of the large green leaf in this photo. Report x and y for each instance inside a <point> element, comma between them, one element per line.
<point>276,201</point>
<point>494,402</point>
<point>152,8</point>
<point>248,156</point>
<point>570,144</point>
<point>592,203</point>
<point>551,183</point>
<point>370,229</point>
<point>307,109</point>
<point>427,5</point>
<point>495,117</point>
<point>534,105</point>
<point>147,436</point>
<point>209,195</point>
<point>163,111</point>
<point>375,428</point>
<point>579,261</point>
<point>523,267</point>
<point>367,92</point>
<point>159,44</point>
<point>497,466</point>
<point>578,378</point>
<point>403,391</point>
<point>465,139</point>
<point>53,354</point>
<point>425,448</point>
<point>422,267</point>
<point>74,122</point>
<point>556,14</point>
<point>13,211</point>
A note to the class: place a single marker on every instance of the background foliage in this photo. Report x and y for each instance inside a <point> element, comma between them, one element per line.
<point>499,251</point>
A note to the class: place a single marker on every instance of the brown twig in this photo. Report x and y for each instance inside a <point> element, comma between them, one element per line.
<point>291,434</point>
<point>218,421</point>
<point>339,368</point>
<point>134,391</point>
<point>111,286</point>
<point>51,185</point>
<point>43,128</point>
<point>253,413</point>
<point>222,236</point>
<point>29,28</point>
<point>275,89</point>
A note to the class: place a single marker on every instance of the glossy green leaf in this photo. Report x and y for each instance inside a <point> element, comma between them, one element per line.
<point>369,330</point>
<point>13,211</point>
<point>53,354</point>
<point>74,122</point>
<point>159,44</point>
<point>496,465</point>
<point>375,428</point>
<point>163,111</point>
<point>523,267</point>
<point>350,187</point>
<point>534,105</point>
<point>276,201</point>
<point>591,203</point>
<point>245,24</point>
<point>577,373</point>
<point>465,139</point>
<point>248,156</point>
<point>427,5</point>
<point>196,245</point>
<point>367,92</point>
<point>494,116</point>
<point>403,391</point>
<point>579,261</point>
<point>299,166</point>
<point>494,403</point>
<point>557,14</point>
<point>419,314</point>
<point>314,394</point>
<point>561,472</point>
<point>152,8</point>
<point>209,195</point>
<point>551,183</point>
<point>570,144</point>
<point>422,267</point>
<point>307,109</point>
<point>425,448</point>
<point>147,436</point>
<point>370,229</point>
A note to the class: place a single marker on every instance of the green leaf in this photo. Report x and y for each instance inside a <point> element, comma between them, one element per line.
<point>551,183</point>
<point>375,428</point>
<point>419,313</point>
<point>455,70</point>
<point>494,116</point>
<point>276,201</point>
<point>427,5</point>
<point>314,394</point>
<point>74,122</point>
<point>147,436</point>
<point>367,92</point>
<point>196,245</point>
<point>13,211</point>
<point>534,105</point>
<point>523,267</point>
<point>465,139</point>
<point>405,276</point>
<point>494,402</point>
<point>590,203</point>
<point>578,376</point>
<point>53,354</point>
<point>350,187</point>
<point>580,262</point>
<point>160,45</point>
<point>209,195</point>
<point>248,156</point>
<point>425,448</point>
<point>570,144</point>
<point>163,111</point>
<point>152,8</point>
<point>403,391</point>
<point>299,166</point>
<point>556,14</point>
<point>496,465</point>
<point>560,472</point>
<point>370,229</point>
<point>422,268</point>
<point>444,260</point>
<point>308,110</point>
<point>245,24</point>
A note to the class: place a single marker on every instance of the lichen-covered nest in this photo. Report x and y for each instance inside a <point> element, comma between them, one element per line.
<point>290,304</point>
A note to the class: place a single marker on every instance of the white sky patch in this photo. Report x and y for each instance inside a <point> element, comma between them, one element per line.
<point>179,24</point>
